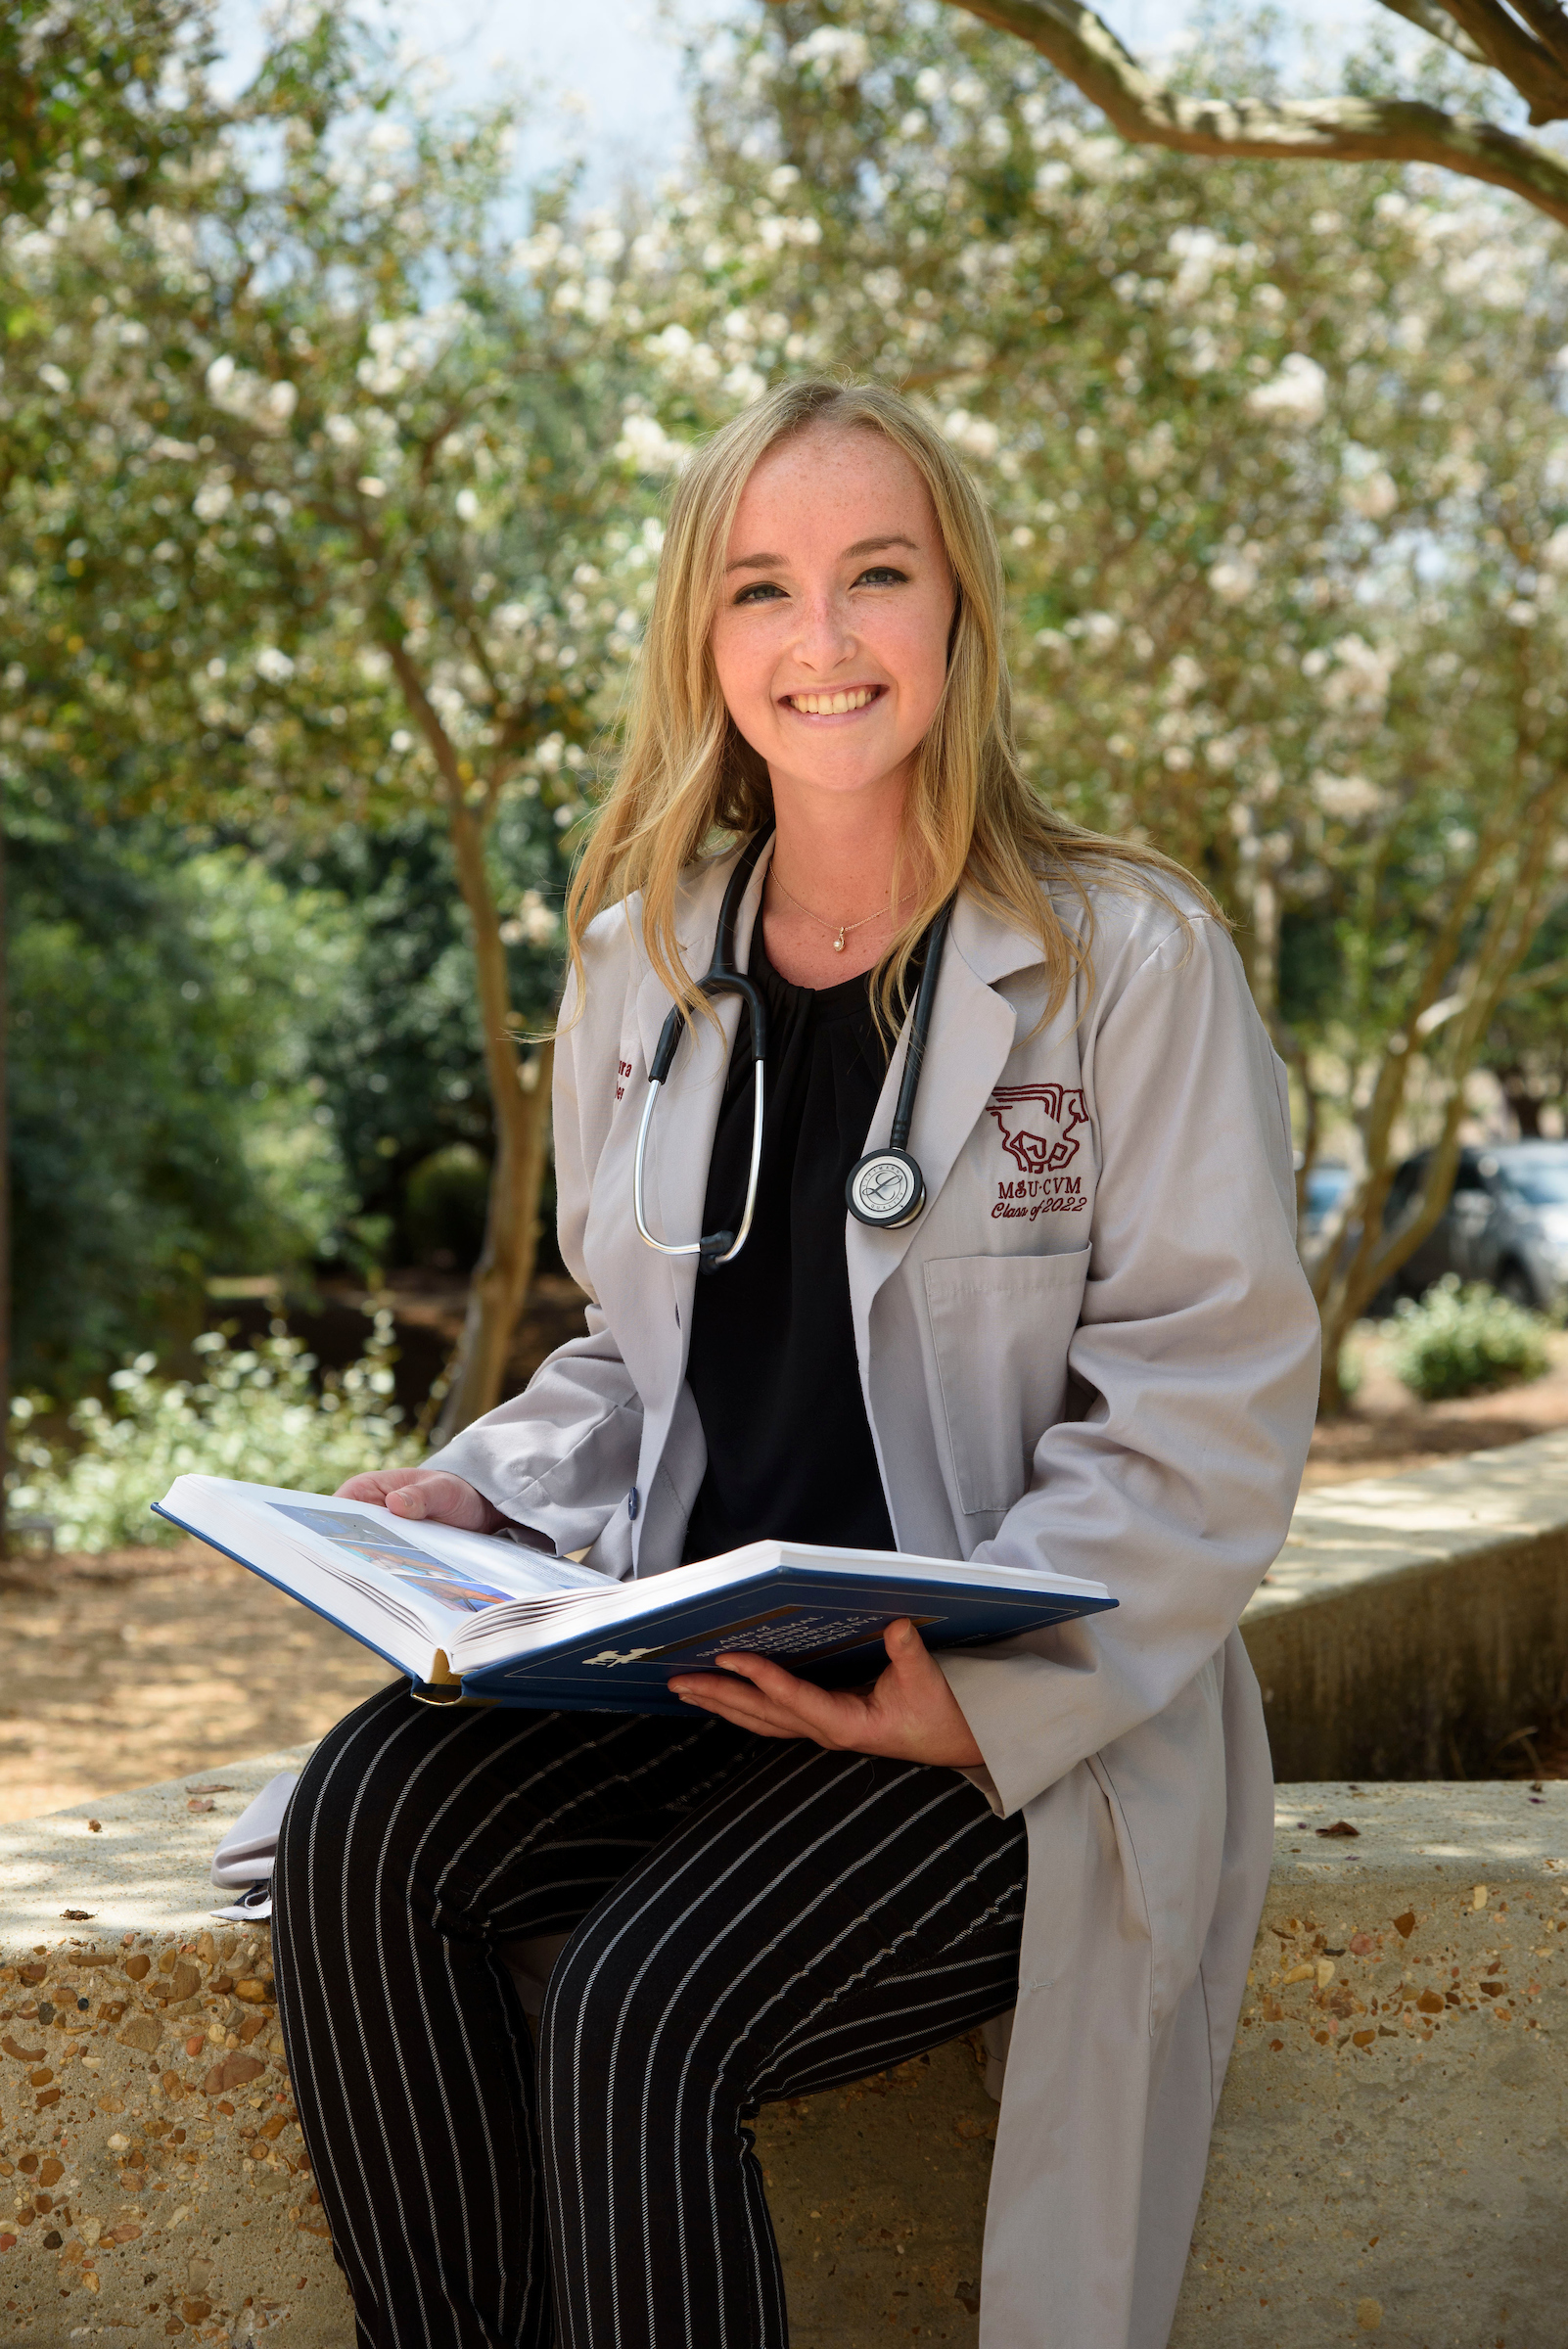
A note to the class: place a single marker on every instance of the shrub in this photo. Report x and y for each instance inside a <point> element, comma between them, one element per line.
<point>253,1413</point>
<point>164,1123</point>
<point>1462,1341</point>
<point>444,1206</point>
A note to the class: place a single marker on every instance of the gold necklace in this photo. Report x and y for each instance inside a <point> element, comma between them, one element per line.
<point>842,929</point>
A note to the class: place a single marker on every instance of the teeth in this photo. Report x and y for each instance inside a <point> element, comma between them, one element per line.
<point>833,704</point>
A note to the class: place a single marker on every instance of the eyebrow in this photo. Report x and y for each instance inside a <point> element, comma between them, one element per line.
<point>861,546</point>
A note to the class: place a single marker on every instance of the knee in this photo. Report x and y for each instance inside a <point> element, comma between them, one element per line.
<point>620,2014</point>
<point>602,1993</point>
<point>349,1783</point>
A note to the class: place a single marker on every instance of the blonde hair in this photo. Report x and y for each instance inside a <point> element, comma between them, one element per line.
<point>687,778</point>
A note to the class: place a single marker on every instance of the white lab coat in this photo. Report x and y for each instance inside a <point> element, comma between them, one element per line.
<point>1096,1351</point>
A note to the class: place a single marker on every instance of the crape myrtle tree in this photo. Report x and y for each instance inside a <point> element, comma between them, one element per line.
<point>1282,477</point>
<point>336,544</point>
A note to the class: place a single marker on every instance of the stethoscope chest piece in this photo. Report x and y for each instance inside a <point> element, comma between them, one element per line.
<point>885,1190</point>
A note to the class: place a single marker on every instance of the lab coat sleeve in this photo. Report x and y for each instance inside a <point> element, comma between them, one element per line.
<point>560,1458</point>
<point>1197,1346</point>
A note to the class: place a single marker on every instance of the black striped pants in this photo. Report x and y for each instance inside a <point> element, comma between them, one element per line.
<point>750,1920</point>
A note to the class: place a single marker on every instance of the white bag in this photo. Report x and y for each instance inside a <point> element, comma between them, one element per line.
<point>244,1857</point>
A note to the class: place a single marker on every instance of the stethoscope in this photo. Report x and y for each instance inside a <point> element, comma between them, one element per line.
<point>886,1188</point>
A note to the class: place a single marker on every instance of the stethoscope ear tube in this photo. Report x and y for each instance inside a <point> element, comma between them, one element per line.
<point>714,1248</point>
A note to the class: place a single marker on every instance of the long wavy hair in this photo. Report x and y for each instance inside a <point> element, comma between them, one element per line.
<point>688,785</point>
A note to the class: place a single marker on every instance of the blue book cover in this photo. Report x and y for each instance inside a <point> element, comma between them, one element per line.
<point>480,1619</point>
<point>815,1616</point>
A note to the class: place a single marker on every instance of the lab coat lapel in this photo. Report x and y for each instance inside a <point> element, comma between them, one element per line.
<point>972,1029</point>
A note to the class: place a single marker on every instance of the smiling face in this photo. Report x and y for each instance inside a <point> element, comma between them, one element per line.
<point>831,634</point>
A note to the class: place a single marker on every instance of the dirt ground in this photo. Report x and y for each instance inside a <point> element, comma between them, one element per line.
<point>1386,1431</point>
<point>143,1665</point>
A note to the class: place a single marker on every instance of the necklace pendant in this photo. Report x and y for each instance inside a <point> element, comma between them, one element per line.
<point>838,942</point>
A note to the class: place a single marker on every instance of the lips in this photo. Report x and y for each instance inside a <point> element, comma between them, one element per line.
<point>842,704</point>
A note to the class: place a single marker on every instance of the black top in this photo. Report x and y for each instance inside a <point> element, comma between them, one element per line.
<point>772,1363</point>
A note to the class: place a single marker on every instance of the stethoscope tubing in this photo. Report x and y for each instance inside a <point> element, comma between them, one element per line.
<point>714,1248</point>
<point>893,1164</point>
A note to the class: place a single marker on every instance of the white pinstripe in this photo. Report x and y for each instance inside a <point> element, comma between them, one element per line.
<point>817,1918</point>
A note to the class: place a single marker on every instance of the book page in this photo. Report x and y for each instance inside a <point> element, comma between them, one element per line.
<point>404,1591</point>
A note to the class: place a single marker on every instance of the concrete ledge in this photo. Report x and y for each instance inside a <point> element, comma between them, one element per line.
<point>1390,2153</point>
<point>152,2174</point>
<point>1414,1622</point>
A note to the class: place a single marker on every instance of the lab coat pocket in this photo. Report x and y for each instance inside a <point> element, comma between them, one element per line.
<point>1001,1327</point>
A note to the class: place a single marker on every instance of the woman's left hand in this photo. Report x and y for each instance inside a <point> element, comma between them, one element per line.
<point>908,1714</point>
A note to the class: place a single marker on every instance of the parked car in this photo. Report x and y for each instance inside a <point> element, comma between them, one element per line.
<point>1326,1184</point>
<point>1506,1222</point>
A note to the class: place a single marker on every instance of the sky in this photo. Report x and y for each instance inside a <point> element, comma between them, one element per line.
<point>621,58</point>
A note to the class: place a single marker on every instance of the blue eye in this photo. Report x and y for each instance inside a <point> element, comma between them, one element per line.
<point>760,590</point>
<point>882,575</point>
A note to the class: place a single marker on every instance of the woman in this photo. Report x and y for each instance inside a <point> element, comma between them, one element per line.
<point>1093,1349</point>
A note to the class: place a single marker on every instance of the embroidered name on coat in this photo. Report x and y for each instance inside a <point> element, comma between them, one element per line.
<point>1039,1125</point>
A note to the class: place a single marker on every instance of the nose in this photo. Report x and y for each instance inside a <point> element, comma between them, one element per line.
<point>825,638</point>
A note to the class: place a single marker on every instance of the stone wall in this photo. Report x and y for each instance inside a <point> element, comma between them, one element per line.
<point>1412,1623</point>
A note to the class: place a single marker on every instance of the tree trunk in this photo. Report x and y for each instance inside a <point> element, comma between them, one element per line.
<point>520,1098</point>
<point>504,1273</point>
<point>1522,1102</point>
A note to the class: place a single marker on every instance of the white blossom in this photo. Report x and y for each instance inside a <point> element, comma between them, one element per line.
<point>1149,457</point>
<point>1297,394</point>
<point>645,445</point>
<point>977,435</point>
<point>1234,577</point>
<point>535,922</point>
<point>212,500</point>
<point>840,54</point>
<point>1350,797</point>
<point>1358,679</point>
<point>240,393</point>
<point>1373,496</point>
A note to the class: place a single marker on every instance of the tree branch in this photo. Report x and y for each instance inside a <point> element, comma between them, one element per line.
<point>1516,55</point>
<point>1431,17</point>
<point>1354,130</point>
<point>1548,21</point>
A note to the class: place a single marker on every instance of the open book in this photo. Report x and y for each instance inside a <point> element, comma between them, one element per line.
<point>476,1616</point>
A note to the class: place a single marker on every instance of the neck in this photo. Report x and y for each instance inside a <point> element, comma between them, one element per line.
<point>833,858</point>
<point>837,852</point>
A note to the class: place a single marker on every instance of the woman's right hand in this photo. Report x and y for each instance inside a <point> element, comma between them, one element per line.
<point>428,1493</point>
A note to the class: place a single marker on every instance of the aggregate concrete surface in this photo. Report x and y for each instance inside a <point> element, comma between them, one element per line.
<point>1391,2156</point>
<point>148,2147</point>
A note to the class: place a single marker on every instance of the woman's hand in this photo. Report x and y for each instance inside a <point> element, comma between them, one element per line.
<point>428,1493</point>
<point>908,1714</point>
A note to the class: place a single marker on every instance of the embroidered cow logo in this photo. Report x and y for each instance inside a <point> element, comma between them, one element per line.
<point>1039,1124</point>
